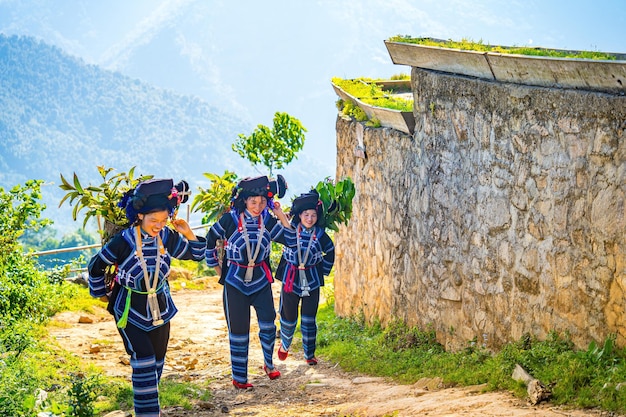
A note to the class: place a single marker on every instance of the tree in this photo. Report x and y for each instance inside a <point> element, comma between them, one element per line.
<point>273,148</point>
<point>19,211</point>
<point>25,292</point>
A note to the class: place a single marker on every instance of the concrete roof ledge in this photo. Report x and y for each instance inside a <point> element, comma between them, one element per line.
<point>586,74</point>
<point>396,119</point>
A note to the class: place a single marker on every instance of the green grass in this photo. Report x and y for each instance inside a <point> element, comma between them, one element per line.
<point>469,45</point>
<point>371,92</point>
<point>182,394</point>
<point>589,378</point>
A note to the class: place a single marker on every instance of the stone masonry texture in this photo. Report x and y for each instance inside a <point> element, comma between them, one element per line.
<point>503,215</point>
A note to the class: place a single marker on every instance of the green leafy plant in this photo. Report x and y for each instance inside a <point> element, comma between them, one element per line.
<point>401,76</point>
<point>272,147</point>
<point>470,45</point>
<point>336,200</point>
<point>100,201</point>
<point>82,394</point>
<point>602,355</point>
<point>215,200</point>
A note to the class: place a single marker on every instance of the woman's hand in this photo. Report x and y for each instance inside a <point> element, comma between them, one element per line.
<point>183,228</point>
<point>280,215</point>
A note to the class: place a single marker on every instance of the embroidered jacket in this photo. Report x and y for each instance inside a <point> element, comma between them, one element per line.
<point>121,250</point>
<point>319,260</point>
<point>230,229</point>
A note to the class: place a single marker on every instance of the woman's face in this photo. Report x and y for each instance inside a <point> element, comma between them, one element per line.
<point>308,218</point>
<point>152,223</point>
<point>255,205</point>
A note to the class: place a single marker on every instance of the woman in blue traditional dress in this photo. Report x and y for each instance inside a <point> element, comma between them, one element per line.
<point>140,299</point>
<point>248,230</point>
<point>302,269</point>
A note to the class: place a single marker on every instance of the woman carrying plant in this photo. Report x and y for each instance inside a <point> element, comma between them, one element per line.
<point>141,301</point>
<point>302,269</point>
<point>248,230</point>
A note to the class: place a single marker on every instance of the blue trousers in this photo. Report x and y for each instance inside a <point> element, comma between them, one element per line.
<point>147,356</point>
<point>237,311</point>
<point>289,303</point>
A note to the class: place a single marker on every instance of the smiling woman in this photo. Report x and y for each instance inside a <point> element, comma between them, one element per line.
<point>248,230</point>
<point>140,298</point>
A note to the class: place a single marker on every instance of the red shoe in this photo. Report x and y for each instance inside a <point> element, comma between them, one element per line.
<point>271,373</point>
<point>312,361</point>
<point>244,385</point>
<point>282,354</point>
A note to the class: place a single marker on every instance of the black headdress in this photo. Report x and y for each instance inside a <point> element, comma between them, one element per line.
<point>154,195</point>
<point>307,201</point>
<point>258,186</point>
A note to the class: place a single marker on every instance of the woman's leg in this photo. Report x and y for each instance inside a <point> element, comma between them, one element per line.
<point>160,338</point>
<point>237,312</point>
<point>143,348</point>
<point>288,317</point>
<point>263,303</point>
<point>308,323</point>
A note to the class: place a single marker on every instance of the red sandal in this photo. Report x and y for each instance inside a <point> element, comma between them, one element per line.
<point>244,385</point>
<point>282,354</point>
<point>312,361</point>
<point>271,373</point>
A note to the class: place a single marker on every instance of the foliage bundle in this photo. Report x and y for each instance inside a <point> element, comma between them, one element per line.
<point>469,45</point>
<point>215,200</point>
<point>336,201</point>
<point>101,201</point>
<point>273,148</point>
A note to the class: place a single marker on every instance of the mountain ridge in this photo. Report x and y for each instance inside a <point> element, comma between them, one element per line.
<point>60,116</point>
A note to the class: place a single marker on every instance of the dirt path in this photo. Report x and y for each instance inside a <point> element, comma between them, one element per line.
<point>199,352</point>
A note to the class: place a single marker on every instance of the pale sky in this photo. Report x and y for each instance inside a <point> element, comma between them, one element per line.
<point>258,57</point>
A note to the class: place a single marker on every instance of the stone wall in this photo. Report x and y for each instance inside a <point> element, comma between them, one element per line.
<point>503,214</point>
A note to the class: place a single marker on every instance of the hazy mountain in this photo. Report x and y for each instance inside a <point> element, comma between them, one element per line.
<point>59,115</point>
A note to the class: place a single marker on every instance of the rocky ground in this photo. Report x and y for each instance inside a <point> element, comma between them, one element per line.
<point>199,352</point>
